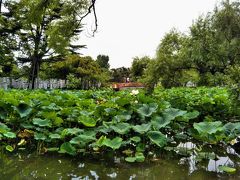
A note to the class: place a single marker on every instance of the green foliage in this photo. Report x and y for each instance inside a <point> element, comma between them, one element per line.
<point>119,74</point>
<point>103,61</point>
<point>215,102</point>
<point>208,56</point>
<point>44,31</point>
<point>79,122</point>
<point>138,67</point>
<point>227,169</point>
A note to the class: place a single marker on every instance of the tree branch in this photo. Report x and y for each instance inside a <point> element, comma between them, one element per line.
<point>90,8</point>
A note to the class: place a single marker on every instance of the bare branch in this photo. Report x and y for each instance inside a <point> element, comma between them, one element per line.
<point>90,9</point>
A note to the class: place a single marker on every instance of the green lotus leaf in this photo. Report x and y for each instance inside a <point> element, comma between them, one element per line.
<point>57,121</point>
<point>120,118</point>
<point>143,128</point>
<point>27,125</point>
<point>86,113</point>
<point>135,139</point>
<point>71,131</point>
<point>122,101</point>
<point>204,155</point>
<point>103,129</point>
<point>172,113</point>
<point>190,115</point>
<point>157,138</point>
<point>54,136</point>
<point>227,169</point>
<point>110,111</point>
<point>68,148</point>
<point>87,121</point>
<point>121,128</point>
<point>42,122</point>
<point>205,128</point>
<point>40,136</point>
<point>146,110</point>
<point>159,122</point>
<point>9,148</point>
<point>130,159</point>
<point>114,143</point>
<point>23,109</point>
<point>100,141</point>
<point>82,139</point>
<point>232,128</point>
<point>139,157</point>
<point>4,128</point>
<point>9,135</point>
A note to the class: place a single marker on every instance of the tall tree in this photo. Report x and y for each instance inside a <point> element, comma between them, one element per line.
<point>138,67</point>
<point>46,29</point>
<point>170,63</point>
<point>103,61</point>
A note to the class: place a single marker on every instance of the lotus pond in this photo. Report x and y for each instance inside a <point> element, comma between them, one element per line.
<point>178,133</point>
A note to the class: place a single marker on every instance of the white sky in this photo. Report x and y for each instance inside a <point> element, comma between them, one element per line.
<point>129,28</point>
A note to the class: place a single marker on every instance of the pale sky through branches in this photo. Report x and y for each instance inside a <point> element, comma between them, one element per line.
<point>129,28</point>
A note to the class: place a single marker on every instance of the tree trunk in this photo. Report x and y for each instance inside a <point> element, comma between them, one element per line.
<point>0,6</point>
<point>35,69</point>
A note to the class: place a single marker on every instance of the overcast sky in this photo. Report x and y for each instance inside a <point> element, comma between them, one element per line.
<point>129,28</point>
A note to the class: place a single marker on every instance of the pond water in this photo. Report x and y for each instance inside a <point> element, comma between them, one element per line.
<point>20,166</point>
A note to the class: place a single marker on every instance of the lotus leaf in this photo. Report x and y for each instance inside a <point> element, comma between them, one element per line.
<point>121,128</point>
<point>141,147</point>
<point>40,136</point>
<point>143,128</point>
<point>171,113</point>
<point>42,122</point>
<point>146,110</point>
<point>54,136</point>
<point>190,115</point>
<point>114,143</point>
<point>135,139</point>
<point>100,141</point>
<point>159,122</point>
<point>87,121</point>
<point>205,128</point>
<point>82,139</point>
<point>232,128</point>
<point>68,148</point>
<point>120,118</point>
<point>227,169</point>
<point>23,109</point>
<point>139,157</point>
<point>122,101</point>
<point>9,148</point>
<point>157,138</point>
<point>9,135</point>
<point>130,159</point>
<point>205,155</point>
<point>4,128</point>
<point>71,131</point>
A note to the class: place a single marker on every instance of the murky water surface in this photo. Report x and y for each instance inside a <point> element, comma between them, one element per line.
<point>52,167</point>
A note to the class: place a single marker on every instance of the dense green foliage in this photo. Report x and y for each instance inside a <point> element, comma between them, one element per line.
<point>207,56</point>
<point>215,102</point>
<point>133,124</point>
<point>81,72</point>
<point>38,31</point>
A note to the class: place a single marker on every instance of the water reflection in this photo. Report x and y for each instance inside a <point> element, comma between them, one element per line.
<point>222,161</point>
<point>62,167</point>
